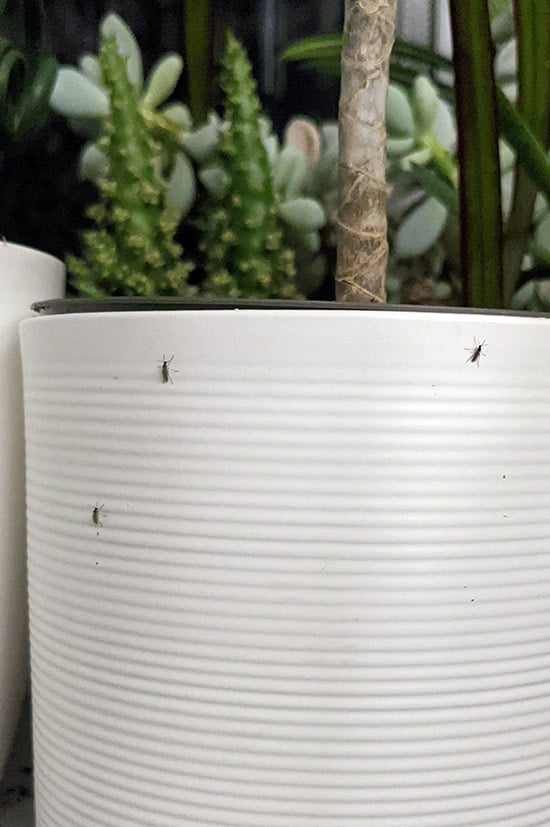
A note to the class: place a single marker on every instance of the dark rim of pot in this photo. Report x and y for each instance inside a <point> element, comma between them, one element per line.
<point>54,307</point>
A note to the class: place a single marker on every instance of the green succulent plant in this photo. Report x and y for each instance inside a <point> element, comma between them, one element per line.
<point>241,238</point>
<point>423,169</point>
<point>132,250</point>
<point>421,143</point>
<point>189,153</point>
<point>300,211</point>
<point>81,95</point>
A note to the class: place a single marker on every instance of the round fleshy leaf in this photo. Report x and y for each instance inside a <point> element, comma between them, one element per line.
<point>114,26</point>
<point>507,157</point>
<point>420,229</point>
<point>179,114</point>
<point>506,60</point>
<point>181,190</point>
<point>93,163</point>
<point>420,157</point>
<point>443,127</point>
<point>506,192</point>
<point>163,79</point>
<point>266,127</point>
<point>215,180</point>
<point>324,175</point>
<point>75,96</point>
<point>397,147</point>
<point>303,134</point>
<point>540,206</point>
<point>271,144</point>
<point>524,297</point>
<point>290,171</point>
<point>502,22</point>
<point>89,66</point>
<point>399,114</point>
<point>201,143</point>
<point>542,233</point>
<point>426,102</point>
<point>304,214</point>
<point>312,242</point>
<point>329,137</point>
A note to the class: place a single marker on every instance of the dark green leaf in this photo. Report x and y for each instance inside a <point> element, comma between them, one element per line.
<point>326,46</point>
<point>530,129</point>
<point>434,185</point>
<point>531,153</point>
<point>197,52</point>
<point>480,207</point>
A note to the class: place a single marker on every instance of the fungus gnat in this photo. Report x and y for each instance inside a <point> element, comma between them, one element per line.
<point>476,352</point>
<point>166,369</point>
<point>96,515</point>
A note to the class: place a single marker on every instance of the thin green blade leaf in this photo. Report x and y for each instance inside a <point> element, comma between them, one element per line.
<point>434,185</point>
<point>533,75</point>
<point>319,47</point>
<point>197,53</point>
<point>480,205</point>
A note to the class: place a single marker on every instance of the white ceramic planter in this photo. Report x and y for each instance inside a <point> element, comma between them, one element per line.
<point>25,276</point>
<point>318,589</point>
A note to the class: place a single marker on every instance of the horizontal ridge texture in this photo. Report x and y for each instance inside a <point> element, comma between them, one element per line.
<point>316,592</point>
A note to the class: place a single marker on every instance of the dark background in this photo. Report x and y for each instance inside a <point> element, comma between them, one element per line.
<point>42,199</point>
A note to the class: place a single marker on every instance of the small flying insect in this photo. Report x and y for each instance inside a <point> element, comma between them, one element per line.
<point>96,514</point>
<point>476,352</point>
<point>166,369</point>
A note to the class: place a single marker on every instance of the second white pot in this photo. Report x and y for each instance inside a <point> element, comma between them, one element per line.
<point>299,575</point>
<point>26,276</point>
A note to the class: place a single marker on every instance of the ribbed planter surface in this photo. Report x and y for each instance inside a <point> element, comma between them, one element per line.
<point>316,591</point>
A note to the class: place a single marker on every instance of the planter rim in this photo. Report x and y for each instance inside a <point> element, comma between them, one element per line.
<point>32,251</point>
<point>57,307</point>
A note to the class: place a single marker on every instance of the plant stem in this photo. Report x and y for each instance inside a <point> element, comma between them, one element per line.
<point>480,203</point>
<point>362,246</point>
<point>533,47</point>
<point>196,15</point>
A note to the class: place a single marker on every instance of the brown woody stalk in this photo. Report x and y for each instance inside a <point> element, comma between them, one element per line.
<point>362,247</point>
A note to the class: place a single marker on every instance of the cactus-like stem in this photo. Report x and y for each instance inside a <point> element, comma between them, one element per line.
<point>132,251</point>
<point>242,241</point>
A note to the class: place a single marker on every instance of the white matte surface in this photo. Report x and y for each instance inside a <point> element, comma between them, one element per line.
<point>319,595</point>
<point>26,276</point>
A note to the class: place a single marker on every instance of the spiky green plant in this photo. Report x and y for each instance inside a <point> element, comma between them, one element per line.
<point>132,249</point>
<point>241,241</point>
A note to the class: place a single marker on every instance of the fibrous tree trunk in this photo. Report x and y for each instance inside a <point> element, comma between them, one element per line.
<point>362,247</point>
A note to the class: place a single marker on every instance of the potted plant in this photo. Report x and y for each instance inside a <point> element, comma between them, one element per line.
<point>288,563</point>
<point>423,163</point>
<point>26,276</point>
